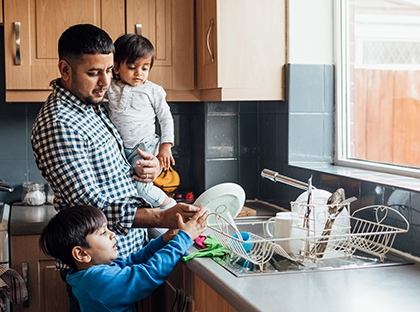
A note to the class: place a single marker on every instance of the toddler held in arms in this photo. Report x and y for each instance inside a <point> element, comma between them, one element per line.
<point>135,106</point>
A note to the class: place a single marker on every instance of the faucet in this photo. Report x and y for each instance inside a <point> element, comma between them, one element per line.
<point>276,177</point>
<point>5,187</point>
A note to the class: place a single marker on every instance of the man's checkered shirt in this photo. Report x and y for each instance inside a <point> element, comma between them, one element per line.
<point>79,153</point>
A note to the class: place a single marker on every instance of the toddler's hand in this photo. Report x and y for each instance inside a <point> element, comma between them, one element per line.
<point>196,225</point>
<point>165,156</point>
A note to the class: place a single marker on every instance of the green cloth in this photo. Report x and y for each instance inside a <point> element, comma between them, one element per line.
<point>213,249</point>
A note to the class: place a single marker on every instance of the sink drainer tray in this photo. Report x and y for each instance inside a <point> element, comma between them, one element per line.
<point>371,229</point>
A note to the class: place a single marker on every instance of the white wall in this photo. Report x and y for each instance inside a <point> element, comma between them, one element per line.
<point>310,31</point>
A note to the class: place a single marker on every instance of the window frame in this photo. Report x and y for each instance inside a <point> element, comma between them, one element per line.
<point>342,99</point>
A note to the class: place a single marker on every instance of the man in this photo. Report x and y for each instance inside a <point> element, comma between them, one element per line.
<point>80,152</point>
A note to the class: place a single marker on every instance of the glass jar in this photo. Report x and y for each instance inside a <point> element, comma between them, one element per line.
<point>33,193</point>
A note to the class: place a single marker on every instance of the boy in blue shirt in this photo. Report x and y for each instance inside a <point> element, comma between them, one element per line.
<point>102,281</point>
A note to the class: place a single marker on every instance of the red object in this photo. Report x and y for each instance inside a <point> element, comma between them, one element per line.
<point>189,196</point>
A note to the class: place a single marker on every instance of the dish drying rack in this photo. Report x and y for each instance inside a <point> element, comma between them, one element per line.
<point>370,229</point>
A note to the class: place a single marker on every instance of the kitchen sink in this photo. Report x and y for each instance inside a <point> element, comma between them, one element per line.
<point>241,267</point>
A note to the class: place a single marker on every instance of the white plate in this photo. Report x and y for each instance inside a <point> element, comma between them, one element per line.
<point>319,200</point>
<point>318,196</point>
<point>226,199</point>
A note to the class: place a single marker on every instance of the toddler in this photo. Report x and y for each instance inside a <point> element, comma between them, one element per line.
<point>135,104</point>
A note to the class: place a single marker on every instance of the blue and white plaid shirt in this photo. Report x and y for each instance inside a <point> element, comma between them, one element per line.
<point>78,151</point>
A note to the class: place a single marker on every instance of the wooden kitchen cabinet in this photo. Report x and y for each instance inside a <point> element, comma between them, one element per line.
<point>207,299</point>
<point>168,297</point>
<point>184,291</point>
<point>47,291</point>
<point>241,49</point>
<point>169,25</point>
<point>38,24</point>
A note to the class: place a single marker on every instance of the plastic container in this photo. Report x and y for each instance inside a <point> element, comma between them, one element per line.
<point>33,193</point>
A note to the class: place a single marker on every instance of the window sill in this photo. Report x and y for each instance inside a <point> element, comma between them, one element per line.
<point>392,180</point>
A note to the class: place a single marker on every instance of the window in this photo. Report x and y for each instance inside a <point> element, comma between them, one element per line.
<point>378,85</point>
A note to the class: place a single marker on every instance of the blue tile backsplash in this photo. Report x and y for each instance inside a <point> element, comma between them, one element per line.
<point>233,141</point>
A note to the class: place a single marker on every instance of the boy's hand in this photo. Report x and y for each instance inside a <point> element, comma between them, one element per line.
<point>169,234</point>
<point>196,225</point>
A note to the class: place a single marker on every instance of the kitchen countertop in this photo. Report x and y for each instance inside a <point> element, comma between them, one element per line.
<point>390,288</point>
<point>375,289</point>
<point>29,220</point>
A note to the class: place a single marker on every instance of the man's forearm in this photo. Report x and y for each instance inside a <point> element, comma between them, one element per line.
<point>147,218</point>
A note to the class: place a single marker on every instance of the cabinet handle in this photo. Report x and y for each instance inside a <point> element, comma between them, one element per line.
<point>185,304</point>
<point>25,269</point>
<point>17,34</point>
<point>177,294</point>
<point>208,40</point>
<point>138,29</point>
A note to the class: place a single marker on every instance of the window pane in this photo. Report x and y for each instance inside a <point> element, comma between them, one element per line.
<point>383,64</point>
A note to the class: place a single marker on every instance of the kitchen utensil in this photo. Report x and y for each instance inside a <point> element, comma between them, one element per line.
<point>225,199</point>
<point>285,226</point>
<point>309,205</point>
<point>320,212</point>
<point>246,238</point>
<point>334,209</point>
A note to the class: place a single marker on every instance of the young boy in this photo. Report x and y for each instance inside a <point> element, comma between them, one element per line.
<point>135,104</point>
<point>102,281</point>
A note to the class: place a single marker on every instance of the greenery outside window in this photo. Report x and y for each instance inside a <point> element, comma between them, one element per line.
<point>377,52</point>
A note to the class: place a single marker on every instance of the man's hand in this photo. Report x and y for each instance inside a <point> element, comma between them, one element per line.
<point>155,217</point>
<point>147,169</point>
<point>169,217</point>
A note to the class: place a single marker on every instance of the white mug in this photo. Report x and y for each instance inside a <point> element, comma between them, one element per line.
<point>284,225</point>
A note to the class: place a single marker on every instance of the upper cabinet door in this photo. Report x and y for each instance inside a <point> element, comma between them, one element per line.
<point>169,25</point>
<point>31,32</point>
<point>241,49</point>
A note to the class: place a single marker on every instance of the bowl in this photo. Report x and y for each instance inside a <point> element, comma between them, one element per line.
<point>245,237</point>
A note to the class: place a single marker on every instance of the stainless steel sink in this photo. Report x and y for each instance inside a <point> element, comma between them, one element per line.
<point>280,265</point>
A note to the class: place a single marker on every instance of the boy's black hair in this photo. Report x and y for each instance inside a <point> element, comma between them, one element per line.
<point>83,39</point>
<point>130,47</point>
<point>68,229</point>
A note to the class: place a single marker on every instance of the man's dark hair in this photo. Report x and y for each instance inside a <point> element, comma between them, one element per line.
<point>130,47</point>
<point>68,229</point>
<point>83,39</point>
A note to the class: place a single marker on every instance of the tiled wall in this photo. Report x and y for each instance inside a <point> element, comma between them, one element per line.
<point>233,141</point>
<point>310,93</point>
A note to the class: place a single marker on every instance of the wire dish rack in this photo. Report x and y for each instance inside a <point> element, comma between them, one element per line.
<point>370,229</point>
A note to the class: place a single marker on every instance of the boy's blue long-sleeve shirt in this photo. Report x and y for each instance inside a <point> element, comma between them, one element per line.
<point>117,286</point>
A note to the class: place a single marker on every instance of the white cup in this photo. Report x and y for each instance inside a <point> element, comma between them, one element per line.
<point>291,235</point>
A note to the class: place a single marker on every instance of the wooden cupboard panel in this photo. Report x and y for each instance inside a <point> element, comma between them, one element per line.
<point>47,291</point>
<point>170,28</point>
<point>41,24</point>
<point>206,43</point>
<point>113,17</point>
<point>17,76</point>
<point>241,49</point>
<point>251,51</point>
<point>207,299</point>
<point>65,13</point>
